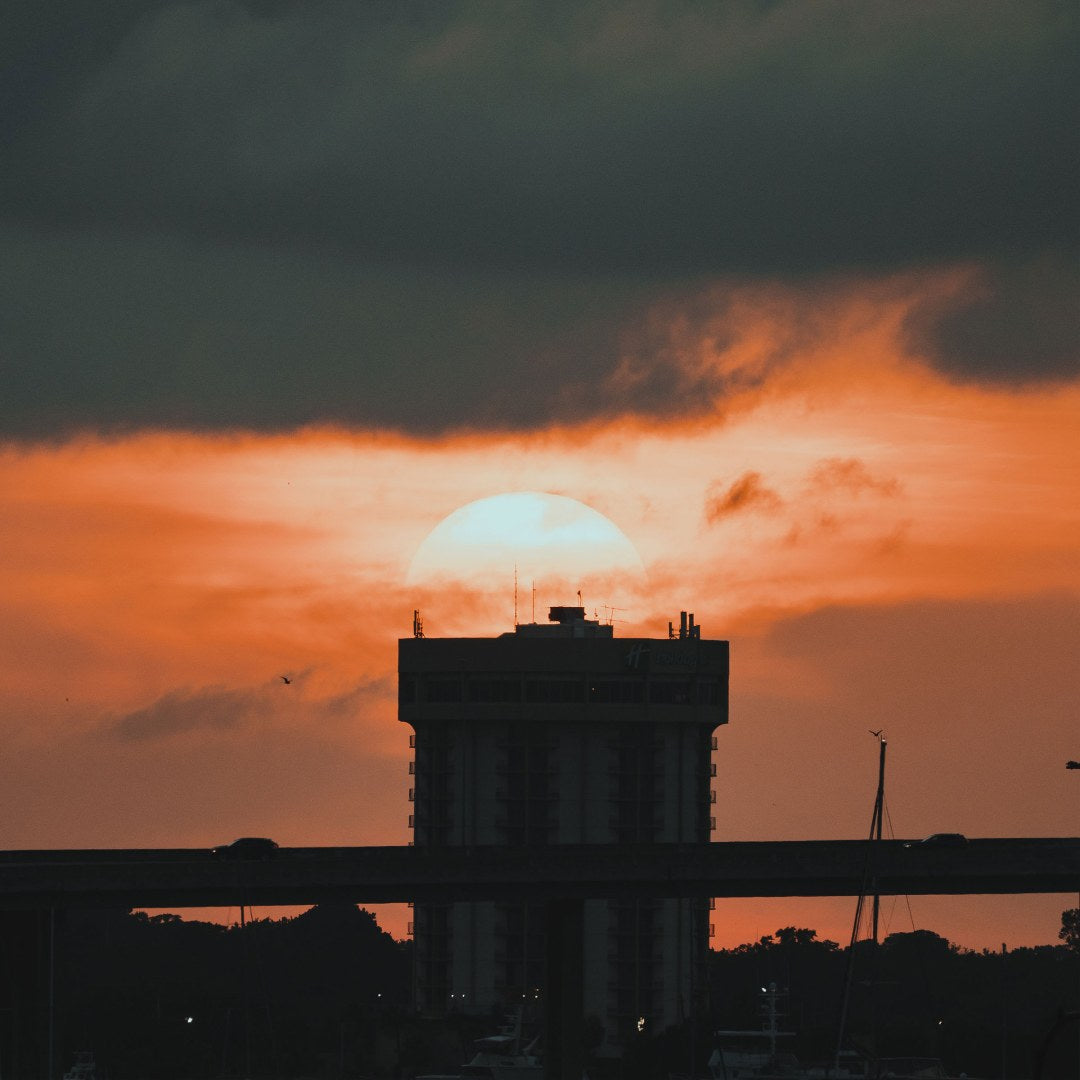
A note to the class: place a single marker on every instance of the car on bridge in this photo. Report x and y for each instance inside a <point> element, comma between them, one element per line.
<point>940,839</point>
<point>247,848</point>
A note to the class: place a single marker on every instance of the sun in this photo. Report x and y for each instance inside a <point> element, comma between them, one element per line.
<point>545,537</point>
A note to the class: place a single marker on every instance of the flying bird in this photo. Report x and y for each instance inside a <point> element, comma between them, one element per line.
<point>285,679</point>
<point>878,732</point>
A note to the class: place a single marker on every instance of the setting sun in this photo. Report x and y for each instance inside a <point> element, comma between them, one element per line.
<point>544,540</point>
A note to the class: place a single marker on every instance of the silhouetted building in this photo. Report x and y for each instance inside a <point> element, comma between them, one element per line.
<point>561,733</point>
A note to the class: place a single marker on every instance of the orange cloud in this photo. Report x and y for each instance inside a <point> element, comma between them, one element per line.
<point>851,475</point>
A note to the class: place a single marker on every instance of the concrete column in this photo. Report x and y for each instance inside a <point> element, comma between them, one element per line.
<point>29,991</point>
<point>563,1023</point>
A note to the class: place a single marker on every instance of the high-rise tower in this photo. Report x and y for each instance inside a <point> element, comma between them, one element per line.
<point>561,733</point>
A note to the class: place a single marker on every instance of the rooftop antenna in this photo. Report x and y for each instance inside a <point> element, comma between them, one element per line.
<point>417,624</point>
<point>534,601</point>
<point>580,602</point>
<point>515,597</point>
<point>611,615</point>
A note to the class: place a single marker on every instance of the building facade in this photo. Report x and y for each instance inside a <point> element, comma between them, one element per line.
<point>561,733</point>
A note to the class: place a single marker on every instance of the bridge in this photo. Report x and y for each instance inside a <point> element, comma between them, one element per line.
<point>38,887</point>
<point>178,877</point>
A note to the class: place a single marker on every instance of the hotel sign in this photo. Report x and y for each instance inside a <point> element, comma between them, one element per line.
<point>663,656</point>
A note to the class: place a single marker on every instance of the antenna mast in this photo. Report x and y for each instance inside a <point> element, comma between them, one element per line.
<point>515,596</point>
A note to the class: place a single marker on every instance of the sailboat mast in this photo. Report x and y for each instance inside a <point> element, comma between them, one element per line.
<point>875,830</point>
<point>869,881</point>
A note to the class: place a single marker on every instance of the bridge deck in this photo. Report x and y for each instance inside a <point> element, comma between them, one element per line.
<point>195,878</point>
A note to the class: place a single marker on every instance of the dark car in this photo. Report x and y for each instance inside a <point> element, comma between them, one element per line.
<point>940,839</point>
<point>246,848</point>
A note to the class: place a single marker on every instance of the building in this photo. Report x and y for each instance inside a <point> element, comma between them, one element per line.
<point>561,733</point>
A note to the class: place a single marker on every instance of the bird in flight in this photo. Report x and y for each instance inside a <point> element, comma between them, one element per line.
<point>285,679</point>
<point>878,732</point>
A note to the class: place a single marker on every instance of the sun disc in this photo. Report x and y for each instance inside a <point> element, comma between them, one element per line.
<point>540,534</point>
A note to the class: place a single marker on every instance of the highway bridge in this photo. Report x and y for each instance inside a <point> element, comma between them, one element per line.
<point>38,887</point>
<point>174,877</point>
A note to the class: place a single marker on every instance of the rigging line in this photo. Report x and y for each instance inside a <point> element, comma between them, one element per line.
<point>911,916</point>
<point>907,896</point>
<point>888,821</point>
<point>888,920</point>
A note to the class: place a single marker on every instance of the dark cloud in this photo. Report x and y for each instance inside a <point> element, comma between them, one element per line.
<point>1013,323</point>
<point>712,137</point>
<point>212,708</point>
<point>748,492</point>
<point>112,333</point>
<point>353,703</point>
<point>218,214</point>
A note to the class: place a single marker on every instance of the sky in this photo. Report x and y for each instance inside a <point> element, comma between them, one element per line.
<point>785,293</point>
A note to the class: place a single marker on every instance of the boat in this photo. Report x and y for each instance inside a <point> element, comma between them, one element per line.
<point>742,1055</point>
<point>756,1055</point>
<point>503,1056</point>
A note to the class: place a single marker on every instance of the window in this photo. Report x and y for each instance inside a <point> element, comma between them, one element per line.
<point>670,692</point>
<point>438,689</point>
<point>617,691</point>
<point>494,688</point>
<point>708,692</point>
<point>555,691</point>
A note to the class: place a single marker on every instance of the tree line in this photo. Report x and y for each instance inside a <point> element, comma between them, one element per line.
<point>327,994</point>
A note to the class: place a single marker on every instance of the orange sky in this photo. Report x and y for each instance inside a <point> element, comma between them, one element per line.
<point>883,547</point>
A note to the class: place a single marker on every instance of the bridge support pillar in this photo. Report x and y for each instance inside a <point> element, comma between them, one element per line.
<point>563,1024</point>
<point>28,993</point>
